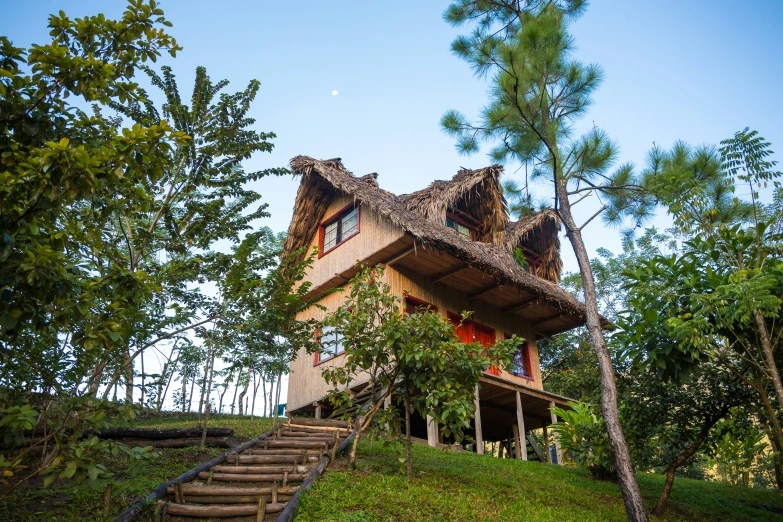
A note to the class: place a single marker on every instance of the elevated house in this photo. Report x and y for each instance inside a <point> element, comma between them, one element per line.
<point>452,246</point>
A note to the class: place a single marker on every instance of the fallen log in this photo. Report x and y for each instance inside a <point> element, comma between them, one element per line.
<point>220,442</point>
<point>159,434</point>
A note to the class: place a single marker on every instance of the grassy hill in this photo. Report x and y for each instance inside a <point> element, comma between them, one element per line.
<point>448,486</point>
<point>455,486</point>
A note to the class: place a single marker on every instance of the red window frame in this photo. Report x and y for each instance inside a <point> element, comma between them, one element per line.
<point>472,228</point>
<point>317,355</point>
<point>334,217</point>
<point>524,351</point>
<point>418,303</point>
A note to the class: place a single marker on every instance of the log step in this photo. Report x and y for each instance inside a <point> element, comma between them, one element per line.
<point>300,452</point>
<point>291,444</point>
<point>312,429</point>
<point>201,490</point>
<point>239,510</point>
<point>262,469</point>
<point>249,477</point>
<point>270,459</point>
<point>319,422</point>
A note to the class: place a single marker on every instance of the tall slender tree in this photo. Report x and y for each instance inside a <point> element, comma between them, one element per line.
<point>538,91</point>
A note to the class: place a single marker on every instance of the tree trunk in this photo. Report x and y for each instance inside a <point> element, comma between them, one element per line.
<point>236,389</point>
<point>255,393</point>
<point>263,392</point>
<point>128,377</point>
<point>769,356</point>
<point>632,497</point>
<point>143,389</point>
<point>778,461</point>
<point>190,397</point>
<point>242,395</point>
<point>408,459</point>
<point>364,423</point>
<point>685,455</point>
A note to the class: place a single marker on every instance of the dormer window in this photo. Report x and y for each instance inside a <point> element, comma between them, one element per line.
<point>338,229</point>
<point>461,226</point>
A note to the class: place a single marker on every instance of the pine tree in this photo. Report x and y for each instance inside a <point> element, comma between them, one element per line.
<point>538,91</point>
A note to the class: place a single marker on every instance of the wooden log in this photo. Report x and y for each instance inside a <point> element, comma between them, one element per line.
<point>283,451</point>
<point>241,510</point>
<point>248,477</point>
<point>159,434</point>
<point>207,491</point>
<point>295,444</point>
<point>262,469</point>
<point>319,422</point>
<point>236,499</point>
<point>220,442</point>
<point>270,459</point>
<point>304,428</point>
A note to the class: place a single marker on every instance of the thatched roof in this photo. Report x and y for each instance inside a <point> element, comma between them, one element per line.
<point>414,213</point>
<point>476,193</point>
<point>538,234</point>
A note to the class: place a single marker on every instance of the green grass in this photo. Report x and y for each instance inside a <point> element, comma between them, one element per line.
<point>66,501</point>
<point>455,486</point>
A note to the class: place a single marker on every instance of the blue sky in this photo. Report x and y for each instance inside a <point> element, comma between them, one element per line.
<point>696,71</point>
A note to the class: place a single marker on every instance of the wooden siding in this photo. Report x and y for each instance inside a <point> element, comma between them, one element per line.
<point>305,384</point>
<point>376,233</point>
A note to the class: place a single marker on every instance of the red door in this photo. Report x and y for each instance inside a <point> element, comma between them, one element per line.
<point>486,336</point>
<point>469,332</point>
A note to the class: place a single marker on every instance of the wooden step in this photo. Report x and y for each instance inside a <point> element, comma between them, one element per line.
<point>262,469</point>
<point>316,429</point>
<point>291,444</point>
<point>238,499</point>
<point>270,459</point>
<point>205,491</point>
<point>239,510</point>
<point>319,422</point>
<point>282,451</point>
<point>249,477</point>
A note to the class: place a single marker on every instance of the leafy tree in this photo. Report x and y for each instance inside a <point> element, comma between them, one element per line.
<point>719,299</point>
<point>415,355</point>
<point>538,91</point>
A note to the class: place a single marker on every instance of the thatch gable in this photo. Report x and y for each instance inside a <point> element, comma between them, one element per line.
<point>538,234</point>
<point>476,194</point>
<point>321,180</point>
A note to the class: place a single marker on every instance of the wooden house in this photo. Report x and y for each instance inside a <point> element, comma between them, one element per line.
<point>450,245</point>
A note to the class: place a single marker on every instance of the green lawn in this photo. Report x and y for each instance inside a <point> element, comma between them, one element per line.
<point>452,486</point>
<point>69,502</point>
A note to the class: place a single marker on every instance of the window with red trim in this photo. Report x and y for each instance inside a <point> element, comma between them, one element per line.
<point>330,344</point>
<point>520,365</point>
<point>338,228</point>
<point>461,226</point>
<point>414,305</point>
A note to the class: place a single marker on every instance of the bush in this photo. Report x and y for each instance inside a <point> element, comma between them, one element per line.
<point>583,435</point>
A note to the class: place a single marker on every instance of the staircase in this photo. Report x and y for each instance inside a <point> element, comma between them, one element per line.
<point>257,483</point>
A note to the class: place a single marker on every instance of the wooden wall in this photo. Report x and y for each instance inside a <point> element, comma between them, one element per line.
<point>375,234</point>
<point>305,383</point>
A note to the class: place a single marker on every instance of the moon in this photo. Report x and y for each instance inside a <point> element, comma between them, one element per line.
<point>335,93</point>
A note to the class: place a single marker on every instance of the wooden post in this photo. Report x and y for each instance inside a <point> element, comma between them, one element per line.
<point>558,451</point>
<point>479,434</point>
<point>517,442</point>
<point>432,432</point>
<point>387,405</point>
<point>521,429</point>
<point>317,410</point>
<point>546,446</point>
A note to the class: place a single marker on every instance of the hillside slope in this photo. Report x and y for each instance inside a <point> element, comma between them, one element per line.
<point>452,486</point>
